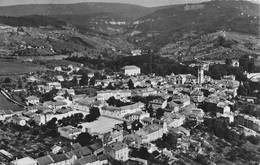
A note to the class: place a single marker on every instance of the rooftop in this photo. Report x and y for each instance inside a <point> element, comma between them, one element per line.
<point>130,67</point>
<point>24,161</point>
<point>117,146</point>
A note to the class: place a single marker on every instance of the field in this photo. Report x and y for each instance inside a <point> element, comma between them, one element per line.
<point>102,125</point>
<point>7,105</point>
<point>13,66</point>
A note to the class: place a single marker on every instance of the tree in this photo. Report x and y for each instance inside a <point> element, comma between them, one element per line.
<point>84,139</point>
<point>7,80</point>
<point>84,80</point>
<point>52,123</point>
<point>92,81</point>
<point>144,154</point>
<point>228,61</point>
<point>130,84</point>
<point>94,113</point>
<point>74,80</point>
<point>136,125</point>
<point>242,90</point>
<point>159,113</point>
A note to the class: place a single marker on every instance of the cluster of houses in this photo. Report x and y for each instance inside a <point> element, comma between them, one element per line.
<point>180,97</point>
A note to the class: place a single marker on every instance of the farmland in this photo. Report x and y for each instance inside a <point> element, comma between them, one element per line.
<point>7,105</point>
<point>13,66</point>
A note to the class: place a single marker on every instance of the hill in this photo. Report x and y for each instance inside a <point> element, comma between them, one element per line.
<point>124,10</point>
<point>41,36</point>
<point>32,21</point>
<point>185,23</point>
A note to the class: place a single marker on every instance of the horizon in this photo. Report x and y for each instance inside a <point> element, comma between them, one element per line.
<point>145,3</point>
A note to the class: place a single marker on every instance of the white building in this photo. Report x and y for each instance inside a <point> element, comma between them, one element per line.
<point>118,151</point>
<point>120,112</point>
<point>131,70</point>
<point>55,85</point>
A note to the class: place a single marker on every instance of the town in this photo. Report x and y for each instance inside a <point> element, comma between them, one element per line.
<point>70,116</point>
<point>129,82</point>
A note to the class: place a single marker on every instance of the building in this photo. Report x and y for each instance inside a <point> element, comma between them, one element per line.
<point>131,70</point>
<point>120,112</point>
<point>5,114</point>
<point>136,52</point>
<point>55,85</point>
<point>45,160</point>
<point>89,160</point>
<point>18,121</point>
<point>248,121</point>
<point>158,103</point>
<point>235,63</point>
<point>152,132</point>
<point>32,100</point>
<point>63,159</point>
<point>69,132</point>
<point>185,78</point>
<point>118,151</point>
<point>24,161</point>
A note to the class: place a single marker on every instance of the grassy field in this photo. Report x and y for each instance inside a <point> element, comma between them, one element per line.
<point>7,105</point>
<point>13,66</point>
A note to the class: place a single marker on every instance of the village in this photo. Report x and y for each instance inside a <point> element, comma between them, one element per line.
<point>126,118</point>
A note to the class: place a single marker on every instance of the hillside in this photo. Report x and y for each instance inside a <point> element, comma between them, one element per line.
<point>189,23</point>
<point>40,36</point>
<point>124,10</point>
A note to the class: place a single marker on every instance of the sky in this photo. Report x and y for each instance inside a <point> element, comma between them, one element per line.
<point>147,3</point>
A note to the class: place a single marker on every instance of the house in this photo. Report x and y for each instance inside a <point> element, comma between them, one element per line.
<point>80,153</point>
<point>24,161</point>
<point>136,116</point>
<point>118,151</point>
<point>18,121</point>
<point>60,78</point>
<point>32,100</point>
<point>249,99</point>
<point>152,132</point>
<point>223,107</point>
<point>97,148</point>
<point>179,131</point>
<point>114,136</point>
<point>173,120</point>
<point>55,149</point>
<point>69,132</point>
<point>131,70</point>
<point>197,96</point>
<point>5,114</point>
<point>120,112</point>
<point>44,89</point>
<point>133,140</point>
<point>45,160</point>
<point>58,68</point>
<point>136,52</point>
<point>235,63</point>
<point>55,85</point>
<point>63,159</point>
<point>248,121</point>
<point>55,105</point>
<point>158,103</point>
<point>89,160</point>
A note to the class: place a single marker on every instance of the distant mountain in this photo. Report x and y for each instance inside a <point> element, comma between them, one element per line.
<point>123,10</point>
<point>172,23</point>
